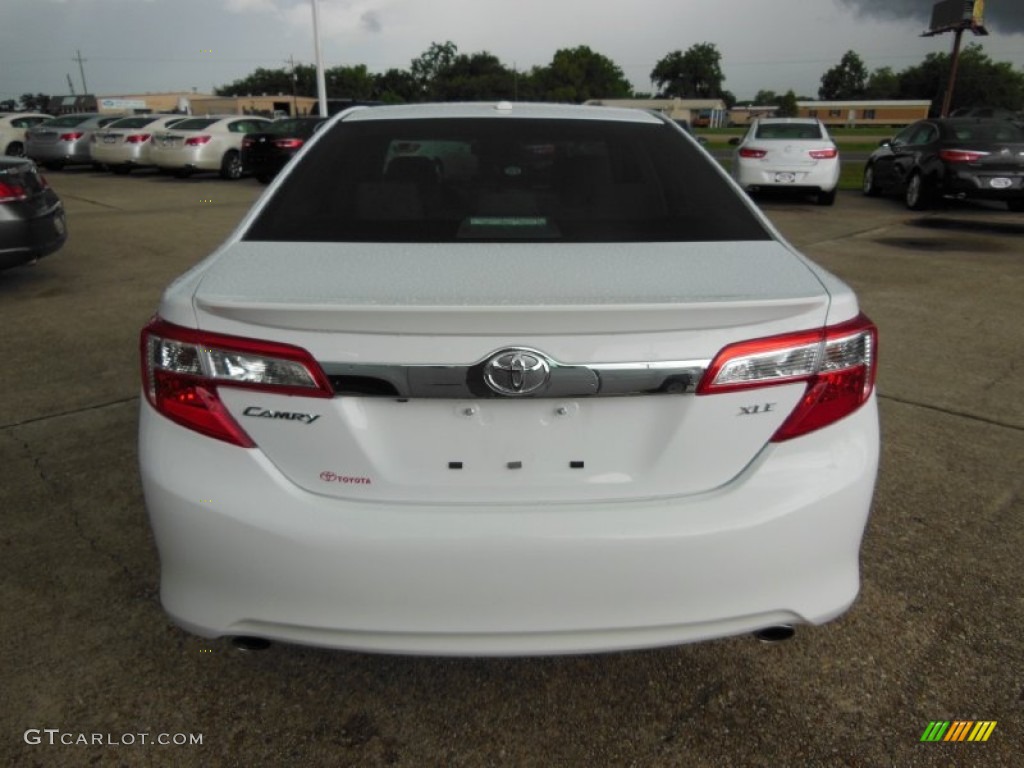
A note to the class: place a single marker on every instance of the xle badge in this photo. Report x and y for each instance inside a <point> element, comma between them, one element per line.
<point>753,410</point>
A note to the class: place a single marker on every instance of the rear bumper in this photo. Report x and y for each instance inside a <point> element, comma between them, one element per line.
<point>23,240</point>
<point>822,176</point>
<point>60,151</point>
<point>200,158</point>
<point>245,552</point>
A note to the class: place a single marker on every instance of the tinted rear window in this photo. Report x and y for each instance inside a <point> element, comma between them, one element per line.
<point>68,121</point>
<point>789,131</point>
<point>295,127</point>
<point>442,180</point>
<point>1002,131</point>
<point>133,122</point>
<point>195,124</point>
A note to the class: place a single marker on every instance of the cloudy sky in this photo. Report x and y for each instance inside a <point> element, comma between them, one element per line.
<point>137,46</point>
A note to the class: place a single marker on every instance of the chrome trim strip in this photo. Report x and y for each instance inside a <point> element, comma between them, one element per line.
<point>662,377</point>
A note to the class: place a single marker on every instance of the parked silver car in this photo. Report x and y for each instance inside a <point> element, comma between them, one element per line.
<point>212,143</point>
<point>124,144</point>
<point>65,140</point>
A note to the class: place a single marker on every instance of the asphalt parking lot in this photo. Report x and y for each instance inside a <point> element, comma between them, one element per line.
<point>937,633</point>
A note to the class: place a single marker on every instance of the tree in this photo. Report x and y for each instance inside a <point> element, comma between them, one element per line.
<point>38,102</point>
<point>396,86</point>
<point>9,105</point>
<point>765,98</point>
<point>696,74</point>
<point>787,105</point>
<point>576,75</point>
<point>845,80</point>
<point>979,82</point>
<point>430,64</point>
<point>882,84</point>
<point>353,82</point>
<point>476,77</point>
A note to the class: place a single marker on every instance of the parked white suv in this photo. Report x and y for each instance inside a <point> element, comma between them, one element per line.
<point>574,395</point>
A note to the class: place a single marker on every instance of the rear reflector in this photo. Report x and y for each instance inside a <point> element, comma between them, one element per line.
<point>182,369</point>
<point>196,141</point>
<point>823,154</point>
<point>960,155</point>
<point>753,153</point>
<point>838,364</point>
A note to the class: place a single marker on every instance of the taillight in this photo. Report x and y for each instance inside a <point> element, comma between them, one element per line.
<point>838,364</point>
<point>248,142</point>
<point>960,155</point>
<point>754,153</point>
<point>288,143</point>
<point>10,192</point>
<point>72,136</point>
<point>823,154</point>
<point>136,138</point>
<point>196,141</point>
<point>183,368</point>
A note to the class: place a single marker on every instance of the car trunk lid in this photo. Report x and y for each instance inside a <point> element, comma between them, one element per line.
<point>432,316</point>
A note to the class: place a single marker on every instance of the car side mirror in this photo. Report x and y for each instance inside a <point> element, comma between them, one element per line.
<point>885,143</point>
<point>734,141</point>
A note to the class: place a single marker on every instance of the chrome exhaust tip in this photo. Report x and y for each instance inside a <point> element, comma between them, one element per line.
<point>775,634</point>
<point>246,643</point>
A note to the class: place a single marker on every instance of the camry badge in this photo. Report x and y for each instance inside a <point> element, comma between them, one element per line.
<point>516,372</point>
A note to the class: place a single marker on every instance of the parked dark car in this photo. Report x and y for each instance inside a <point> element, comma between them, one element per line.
<point>264,154</point>
<point>964,157</point>
<point>31,214</point>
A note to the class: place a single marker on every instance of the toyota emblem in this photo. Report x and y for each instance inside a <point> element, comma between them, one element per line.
<point>516,372</point>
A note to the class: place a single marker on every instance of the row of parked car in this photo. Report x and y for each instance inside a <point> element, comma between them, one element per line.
<point>32,219</point>
<point>974,157</point>
<point>231,145</point>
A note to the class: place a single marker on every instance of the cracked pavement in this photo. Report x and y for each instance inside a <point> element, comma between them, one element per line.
<point>935,635</point>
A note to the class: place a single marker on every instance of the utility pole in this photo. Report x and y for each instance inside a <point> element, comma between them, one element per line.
<point>81,69</point>
<point>295,103</point>
<point>321,85</point>
<point>70,84</point>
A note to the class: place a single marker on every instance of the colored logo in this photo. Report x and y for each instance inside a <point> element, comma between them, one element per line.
<point>958,730</point>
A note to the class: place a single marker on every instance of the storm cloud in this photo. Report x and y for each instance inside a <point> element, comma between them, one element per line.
<point>1000,15</point>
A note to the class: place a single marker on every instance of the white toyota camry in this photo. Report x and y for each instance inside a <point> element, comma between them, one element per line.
<point>506,379</point>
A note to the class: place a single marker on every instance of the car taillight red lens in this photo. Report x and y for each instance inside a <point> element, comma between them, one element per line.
<point>182,369</point>
<point>10,192</point>
<point>753,153</point>
<point>196,141</point>
<point>838,363</point>
<point>960,155</point>
<point>823,154</point>
<point>288,143</point>
<point>72,136</point>
<point>248,142</point>
<point>137,138</point>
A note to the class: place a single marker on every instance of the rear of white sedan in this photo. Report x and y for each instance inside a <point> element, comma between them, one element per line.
<point>788,153</point>
<point>569,394</point>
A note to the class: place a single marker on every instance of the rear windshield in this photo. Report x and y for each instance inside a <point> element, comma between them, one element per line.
<point>447,180</point>
<point>294,127</point>
<point>994,132</point>
<point>134,122</point>
<point>195,124</point>
<point>68,121</point>
<point>789,131</point>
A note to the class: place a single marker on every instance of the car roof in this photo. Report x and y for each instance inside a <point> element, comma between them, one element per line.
<point>498,110</point>
<point>788,120</point>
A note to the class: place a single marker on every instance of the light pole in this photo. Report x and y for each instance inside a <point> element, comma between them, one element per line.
<point>321,86</point>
